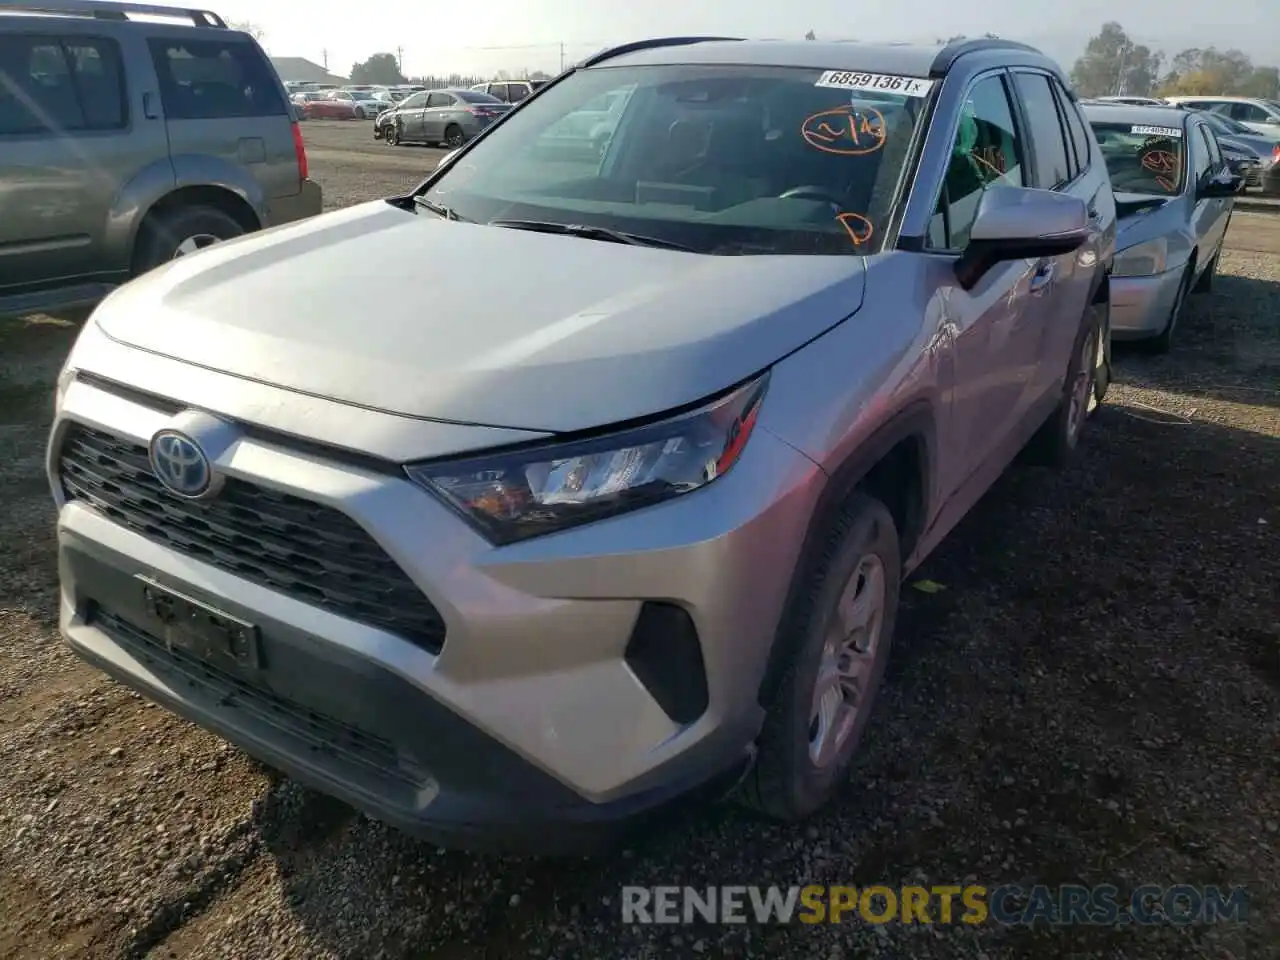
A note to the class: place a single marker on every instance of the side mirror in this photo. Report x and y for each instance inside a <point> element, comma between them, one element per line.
<point>1225,184</point>
<point>1021,223</point>
<point>445,159</point>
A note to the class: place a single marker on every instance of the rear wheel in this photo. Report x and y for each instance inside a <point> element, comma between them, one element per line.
<point>180,232</point>
<point>360,114</point>
<point>453,136</point>
<point>838,634</point>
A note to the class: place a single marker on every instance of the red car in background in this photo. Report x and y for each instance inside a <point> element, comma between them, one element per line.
<point>344,105</point>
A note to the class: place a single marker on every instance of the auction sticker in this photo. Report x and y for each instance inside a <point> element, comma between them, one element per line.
<point>881,82</point>
<point>1156,131</point>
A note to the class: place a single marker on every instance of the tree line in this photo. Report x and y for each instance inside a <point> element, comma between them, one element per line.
<point>1112,64</point>
<point>382,69</point>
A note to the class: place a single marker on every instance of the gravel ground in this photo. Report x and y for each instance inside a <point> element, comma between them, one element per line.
<point>1092,698</point>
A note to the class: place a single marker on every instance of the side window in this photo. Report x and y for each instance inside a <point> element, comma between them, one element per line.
<point>986,152</point>
<point>498,90</point>
<point>1047,144</point>
<point>213,79</point>
<point>37,92</point>
<point>440,100</point>
<point>1215,153</point>
<point>1248,113</point>
<point>415,101</point>
<point>1075,127</point>
<point>96,67</point>
<point>517,92</point>
<point>1199,159</point>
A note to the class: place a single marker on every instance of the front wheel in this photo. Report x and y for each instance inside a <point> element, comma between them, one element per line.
<point>1056,441</point>
<point>360,114</point>
<point>1163,342</point>
<point>395,135</point>
<point>837,633</point>
<point>453,137</point>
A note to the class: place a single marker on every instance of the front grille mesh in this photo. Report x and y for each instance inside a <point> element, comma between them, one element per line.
<point>321,732</point>
<point>304,550</point>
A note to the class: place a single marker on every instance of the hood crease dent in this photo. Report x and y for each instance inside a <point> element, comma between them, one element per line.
<point>565,334</point>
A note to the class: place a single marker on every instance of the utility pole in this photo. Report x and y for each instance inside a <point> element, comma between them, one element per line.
<point>562,56</point>
<point>400,60</point>
<point>324,56</point>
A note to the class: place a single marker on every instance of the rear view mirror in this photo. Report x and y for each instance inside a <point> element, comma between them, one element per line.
<point>1020,223</point>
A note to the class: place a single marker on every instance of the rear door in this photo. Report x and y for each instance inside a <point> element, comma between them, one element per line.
<point>224,108</point>
<point>1208,221</point>
<point>68,143</point>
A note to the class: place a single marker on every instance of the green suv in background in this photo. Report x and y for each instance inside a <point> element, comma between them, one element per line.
<point>125,143</point>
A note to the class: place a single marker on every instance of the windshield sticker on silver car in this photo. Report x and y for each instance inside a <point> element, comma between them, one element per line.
<point>1156,131</point>
<point>879,82</point>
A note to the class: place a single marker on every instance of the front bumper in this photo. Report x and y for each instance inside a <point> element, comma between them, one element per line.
<point>530,729</point>
<point>1140,306</point>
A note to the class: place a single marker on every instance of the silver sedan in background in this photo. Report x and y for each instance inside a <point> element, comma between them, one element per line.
<point>1174,193</point>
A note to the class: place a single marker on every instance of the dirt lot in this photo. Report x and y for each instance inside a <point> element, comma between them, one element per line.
<point>1093,698</point>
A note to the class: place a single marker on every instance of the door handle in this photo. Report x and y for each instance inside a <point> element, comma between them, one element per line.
<point>149,106</point>
<point>1041,279</point>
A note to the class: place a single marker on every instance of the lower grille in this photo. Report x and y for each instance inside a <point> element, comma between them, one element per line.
<point>322,733</point>
<point>304,550</point>
<point>1253,176</point>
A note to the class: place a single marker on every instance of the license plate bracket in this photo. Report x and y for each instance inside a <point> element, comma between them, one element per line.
<point>195,627</point>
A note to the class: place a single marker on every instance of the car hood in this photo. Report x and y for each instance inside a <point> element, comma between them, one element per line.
<point>1142,217</point>
<point>426,317</point>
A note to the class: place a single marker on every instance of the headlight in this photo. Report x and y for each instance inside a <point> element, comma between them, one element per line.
<point>66,376</point>
<point>1143,259</point>
<point>525,493</point>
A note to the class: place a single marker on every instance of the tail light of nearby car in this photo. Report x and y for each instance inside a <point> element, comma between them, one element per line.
<point>1275,153</point>
<point>486,112</point>
<point>300,151</point>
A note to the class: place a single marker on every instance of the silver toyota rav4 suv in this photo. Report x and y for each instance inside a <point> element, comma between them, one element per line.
<point>516,558</point>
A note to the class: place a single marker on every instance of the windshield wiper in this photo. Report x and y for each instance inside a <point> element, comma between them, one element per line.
<point>590,233</point>
<point>439,209</point>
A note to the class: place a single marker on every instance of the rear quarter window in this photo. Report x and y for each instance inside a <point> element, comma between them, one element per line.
<point>213,79</point>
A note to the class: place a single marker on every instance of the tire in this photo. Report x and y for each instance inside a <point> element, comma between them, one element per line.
<point>453,136</point>
<point>1163,342</point>
<point>1205,283</point>
<point>395,135</point>
<point>164,235</point>
<point>1057,439</point>
<point>360,114</point>
<point>788,781</point>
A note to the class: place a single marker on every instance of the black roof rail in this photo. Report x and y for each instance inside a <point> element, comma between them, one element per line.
<point>610,52</point>
<point>113,10</point>
<point>948,55</point>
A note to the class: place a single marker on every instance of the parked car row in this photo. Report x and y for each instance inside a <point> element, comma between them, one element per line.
<point>521,569</point>
<point>1248,130</point>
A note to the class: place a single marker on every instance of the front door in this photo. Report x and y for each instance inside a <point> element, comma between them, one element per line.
<point>994,327</point>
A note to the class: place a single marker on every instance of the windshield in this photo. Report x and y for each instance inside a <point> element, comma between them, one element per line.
<point>362,95</point>
<point>718,159</point>
<point>1141,158</point>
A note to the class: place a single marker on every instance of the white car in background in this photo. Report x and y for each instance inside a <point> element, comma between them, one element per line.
<point>1256,113</point>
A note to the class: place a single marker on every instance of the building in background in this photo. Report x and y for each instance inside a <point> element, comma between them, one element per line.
<point>297,68</point>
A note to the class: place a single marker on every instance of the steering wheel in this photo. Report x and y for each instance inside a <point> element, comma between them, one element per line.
<point>810,192</point>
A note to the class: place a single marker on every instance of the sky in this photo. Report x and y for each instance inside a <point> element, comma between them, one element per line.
<point>511,35</point>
